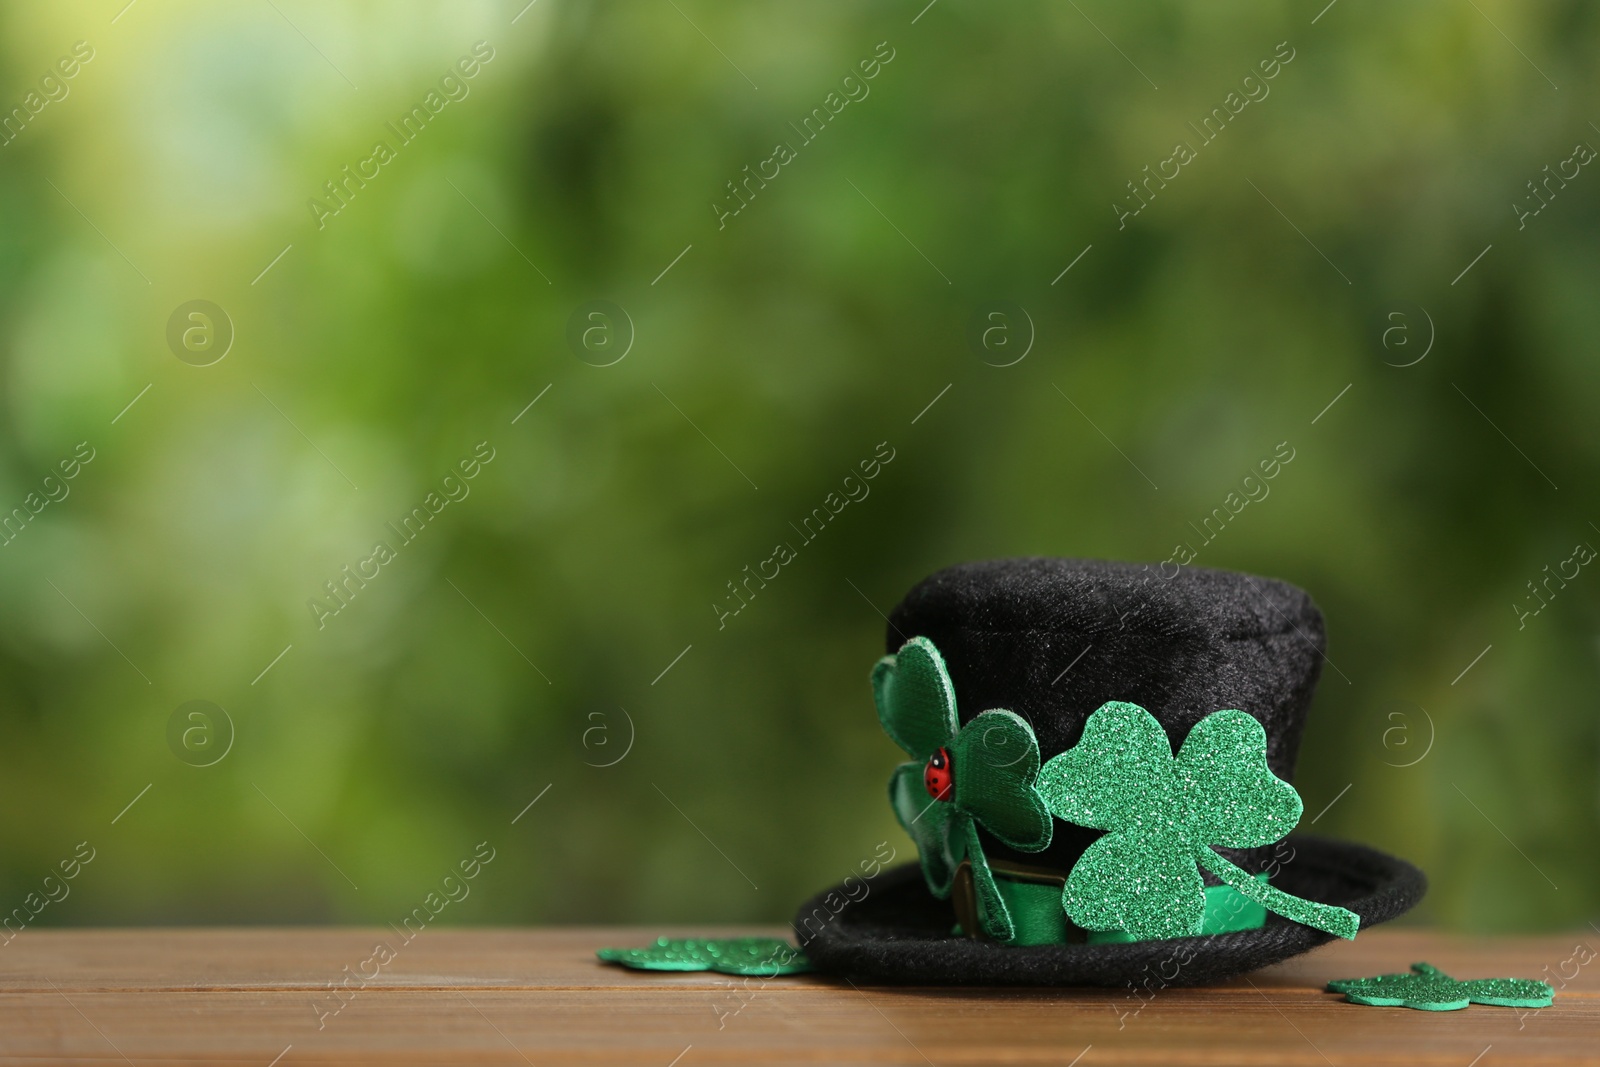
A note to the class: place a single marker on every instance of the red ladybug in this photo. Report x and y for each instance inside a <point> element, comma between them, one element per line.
<point>938,777</point>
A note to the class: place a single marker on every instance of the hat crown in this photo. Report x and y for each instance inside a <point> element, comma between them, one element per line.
<point>1054,639</point>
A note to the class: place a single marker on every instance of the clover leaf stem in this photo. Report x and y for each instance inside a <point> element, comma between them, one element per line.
<point>1325,917</point>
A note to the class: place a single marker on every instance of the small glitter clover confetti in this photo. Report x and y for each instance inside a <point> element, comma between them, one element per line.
<point>959,778</point>
<point>762,956</point>
<point>1429,989</point>
<point>1165,814</point>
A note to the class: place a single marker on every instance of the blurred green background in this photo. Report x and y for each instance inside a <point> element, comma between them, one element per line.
<point>524,636</point>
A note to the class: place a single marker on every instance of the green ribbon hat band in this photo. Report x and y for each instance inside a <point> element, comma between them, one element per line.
<point>1036,913</point>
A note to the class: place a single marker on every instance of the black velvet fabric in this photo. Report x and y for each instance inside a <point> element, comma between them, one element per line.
<point>1053,639</point>
<point>894,931</point>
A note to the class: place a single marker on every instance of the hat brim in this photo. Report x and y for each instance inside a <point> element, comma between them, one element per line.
<point>897,932</point>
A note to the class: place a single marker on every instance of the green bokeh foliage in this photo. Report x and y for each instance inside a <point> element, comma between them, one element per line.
<point>817,323</point>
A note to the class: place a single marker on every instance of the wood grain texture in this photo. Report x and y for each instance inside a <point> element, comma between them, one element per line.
<point>469,996</point>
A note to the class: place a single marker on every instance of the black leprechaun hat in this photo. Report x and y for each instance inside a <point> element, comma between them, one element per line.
<point>1098,785</point>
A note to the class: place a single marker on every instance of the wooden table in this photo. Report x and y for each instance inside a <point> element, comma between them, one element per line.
<point>246,996</point>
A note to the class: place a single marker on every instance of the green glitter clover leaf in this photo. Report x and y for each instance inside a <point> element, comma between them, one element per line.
<point>762,956</point>
<point>1429,989</point>
<point>1165,814</point>
<point>992,762</point>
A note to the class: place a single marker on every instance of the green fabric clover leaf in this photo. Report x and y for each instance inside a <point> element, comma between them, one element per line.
<point>1429,989</point>
<point>1165,814</point>
<point>992,761</point>
<point>762,956</point>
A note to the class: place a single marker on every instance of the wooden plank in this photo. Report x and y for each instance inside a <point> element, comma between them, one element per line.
<point>537,996</point>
